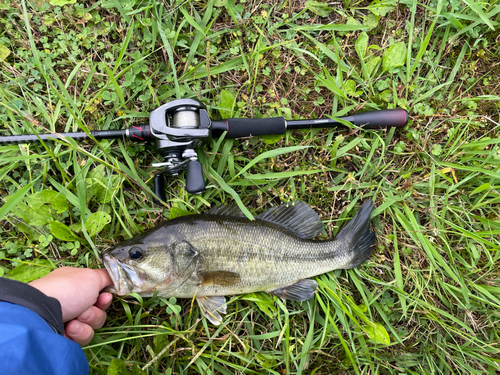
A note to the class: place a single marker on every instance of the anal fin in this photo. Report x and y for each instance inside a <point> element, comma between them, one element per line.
<point>212,307</point>
<point>302,290</point>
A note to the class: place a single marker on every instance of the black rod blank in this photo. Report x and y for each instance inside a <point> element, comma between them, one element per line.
<point>78,136</point>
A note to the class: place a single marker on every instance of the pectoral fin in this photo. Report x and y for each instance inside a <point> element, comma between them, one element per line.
<point>220,278</point>
<point>302,290</point>
<point>212,307</point>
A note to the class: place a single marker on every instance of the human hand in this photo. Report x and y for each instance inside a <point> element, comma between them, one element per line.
<point>78,291</point>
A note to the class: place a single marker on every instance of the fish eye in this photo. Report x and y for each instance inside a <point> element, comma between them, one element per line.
<point>135,253</point>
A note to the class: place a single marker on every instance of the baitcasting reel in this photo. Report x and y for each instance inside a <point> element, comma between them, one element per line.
<point>179,127</point>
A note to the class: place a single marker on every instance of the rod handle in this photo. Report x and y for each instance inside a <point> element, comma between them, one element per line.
<point>246,127</point>
<point>385,118</point>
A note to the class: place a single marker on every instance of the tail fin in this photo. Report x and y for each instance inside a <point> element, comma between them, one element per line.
<point>358,235</point>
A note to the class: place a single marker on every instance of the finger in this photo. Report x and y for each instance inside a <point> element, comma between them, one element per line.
<point>79,332</point>
<point>104,278</point>
<point>93,316</point>
<point>104,301</point>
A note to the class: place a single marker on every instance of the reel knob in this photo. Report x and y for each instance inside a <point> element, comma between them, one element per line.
<point>159,188</point>
<point>195,182</point>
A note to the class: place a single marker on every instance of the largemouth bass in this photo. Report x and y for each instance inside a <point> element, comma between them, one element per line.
<point>222,252</point>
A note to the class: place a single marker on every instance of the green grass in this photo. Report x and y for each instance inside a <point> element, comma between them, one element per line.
<point>427,302</point>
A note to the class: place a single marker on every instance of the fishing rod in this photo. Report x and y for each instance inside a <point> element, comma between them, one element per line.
<point>178,128</point>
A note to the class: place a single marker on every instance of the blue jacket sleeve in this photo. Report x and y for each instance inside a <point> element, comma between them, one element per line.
<point>30,344</point>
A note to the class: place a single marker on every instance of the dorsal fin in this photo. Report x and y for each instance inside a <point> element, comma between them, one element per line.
<point>224,210</point>
<point>297,217</point>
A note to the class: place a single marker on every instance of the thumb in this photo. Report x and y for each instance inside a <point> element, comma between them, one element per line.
<point>103,278</point>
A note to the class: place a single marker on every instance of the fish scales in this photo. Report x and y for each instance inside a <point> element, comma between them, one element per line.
<point>263,254</point>
<point>223,253</point>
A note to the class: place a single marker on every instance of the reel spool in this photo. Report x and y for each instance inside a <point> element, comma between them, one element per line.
<point>186,118</point>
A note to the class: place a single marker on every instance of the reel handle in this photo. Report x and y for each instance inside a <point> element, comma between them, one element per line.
<point>195,182</point>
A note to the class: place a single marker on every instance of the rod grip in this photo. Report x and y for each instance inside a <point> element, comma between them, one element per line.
<point>246,127</point>
<point>386,118</point>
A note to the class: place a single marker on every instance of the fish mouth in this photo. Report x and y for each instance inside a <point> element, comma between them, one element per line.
<point>125,279</point>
